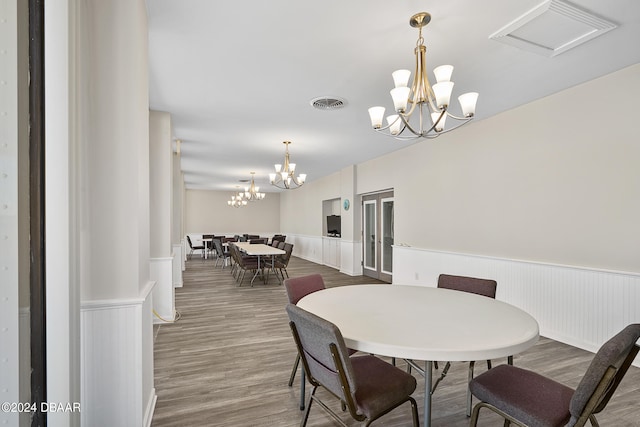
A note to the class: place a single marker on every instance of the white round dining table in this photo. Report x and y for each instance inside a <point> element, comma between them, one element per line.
<point>424,323</point>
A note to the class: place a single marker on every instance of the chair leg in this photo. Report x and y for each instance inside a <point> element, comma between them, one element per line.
<point>294,370</point>
<point>469,395</point>
<point>303,423</point>
<point>302,390</point>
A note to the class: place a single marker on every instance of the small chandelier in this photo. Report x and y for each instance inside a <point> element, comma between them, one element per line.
<point>421,97</point>
<point>237,200</point>
<point>285,175</point>
<point>252,193</point>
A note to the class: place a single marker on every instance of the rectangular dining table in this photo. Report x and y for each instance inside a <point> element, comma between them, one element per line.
<point>259,250</point>
<point>424,323</point>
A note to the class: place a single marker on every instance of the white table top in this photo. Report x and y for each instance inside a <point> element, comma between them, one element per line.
<point>424,323</point>
<point>258,249</point>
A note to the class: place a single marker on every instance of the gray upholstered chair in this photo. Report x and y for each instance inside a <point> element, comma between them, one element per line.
<point>194,248</point>
<point>526,398</point>
<point>297,288</point>
<point>368,386</point>
<point>223,255</point>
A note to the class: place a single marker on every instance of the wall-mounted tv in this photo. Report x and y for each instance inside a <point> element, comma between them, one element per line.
<point>334,225</point>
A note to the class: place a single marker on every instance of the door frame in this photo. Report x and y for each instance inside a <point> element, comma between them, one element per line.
<point>377,199</point>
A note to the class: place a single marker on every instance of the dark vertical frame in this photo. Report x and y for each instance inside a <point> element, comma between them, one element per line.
<point>36,210</point>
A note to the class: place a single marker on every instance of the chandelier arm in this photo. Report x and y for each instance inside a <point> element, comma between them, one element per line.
<point>407,126</point>
<point>464,122</point>
<point>453,116</point>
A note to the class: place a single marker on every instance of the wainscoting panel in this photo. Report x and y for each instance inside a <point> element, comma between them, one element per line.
<point>161,270</point>
<point>177,266</point>
<point>117,362</point>
<point>578,306</point>
<point>351,257</point>
<point>306,247</point>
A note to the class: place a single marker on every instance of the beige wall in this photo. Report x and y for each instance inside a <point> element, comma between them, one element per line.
<point>208,212</point>
<point>556,181</point>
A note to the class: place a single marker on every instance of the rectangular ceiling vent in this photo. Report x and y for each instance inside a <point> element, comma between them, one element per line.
<point>552,27</point>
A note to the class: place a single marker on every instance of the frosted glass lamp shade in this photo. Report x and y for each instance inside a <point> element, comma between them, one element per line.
<point>394,122</point>
<point>442,91</point>
<point>468,103</point>
<point>443,73</point>
<point>376,114</point>
<point>302,177</point>
<point>434,118</point>
<point>401,78</point>
<point>400,97</point>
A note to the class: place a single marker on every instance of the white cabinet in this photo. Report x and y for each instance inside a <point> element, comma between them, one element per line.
<point>331,252</point>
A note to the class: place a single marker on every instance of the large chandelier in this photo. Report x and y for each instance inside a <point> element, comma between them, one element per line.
<point>252,192</point>
<point>285,177</point>
<point>430,103</point>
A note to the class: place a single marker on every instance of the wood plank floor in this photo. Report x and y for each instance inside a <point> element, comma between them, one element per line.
<point>227,360</point>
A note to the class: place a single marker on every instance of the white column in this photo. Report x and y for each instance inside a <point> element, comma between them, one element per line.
<point>161,185</point>
<point>111,179</point>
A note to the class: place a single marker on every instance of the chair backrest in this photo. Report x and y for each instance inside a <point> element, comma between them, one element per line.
<point>281,245</point>
<point>218,245</point>
<point>298,287</point>
<point>258,241</point>
<point>189,241</point>
<point>605,372</point>
<point>288,248</point>
<point>485,287</point>
<point>323,352</point>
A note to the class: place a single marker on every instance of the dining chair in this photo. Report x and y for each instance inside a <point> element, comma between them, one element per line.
<point>223,255</point>
<point>526,398</point>
<point>297,288</point>
<point>242,264</point>
<point>208,246</point>
<point>193,248</point>
<point>281,262</point>
<point>368,386</point>
<point>484,287</point>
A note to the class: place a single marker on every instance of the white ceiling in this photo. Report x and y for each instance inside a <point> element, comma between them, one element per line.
<point>238,76</point>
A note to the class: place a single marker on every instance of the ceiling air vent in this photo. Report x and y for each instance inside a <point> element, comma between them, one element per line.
<point>553,27</point>
<point>328,103</point>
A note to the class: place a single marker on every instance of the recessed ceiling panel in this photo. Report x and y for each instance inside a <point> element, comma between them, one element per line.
<point>552,27</point>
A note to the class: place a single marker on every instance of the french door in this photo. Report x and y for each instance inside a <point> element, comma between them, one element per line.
<point>377,235</point>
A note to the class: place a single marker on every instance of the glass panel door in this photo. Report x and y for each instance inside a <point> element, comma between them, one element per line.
<point>387,236</point>
<point>370,235</point>
<point>377,236</point>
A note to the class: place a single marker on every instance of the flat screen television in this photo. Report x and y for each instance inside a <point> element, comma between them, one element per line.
<point>334,226</point>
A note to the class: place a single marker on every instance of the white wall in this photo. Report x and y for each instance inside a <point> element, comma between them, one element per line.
<point>207,212</point>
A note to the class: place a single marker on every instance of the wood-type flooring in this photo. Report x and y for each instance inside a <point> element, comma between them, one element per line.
<point>226,361</point>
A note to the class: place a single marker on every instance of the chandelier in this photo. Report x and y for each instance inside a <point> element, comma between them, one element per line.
<point>430,103</point>
<point>252,193</point>
<point>237,200</point>
<point>285,177</point>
